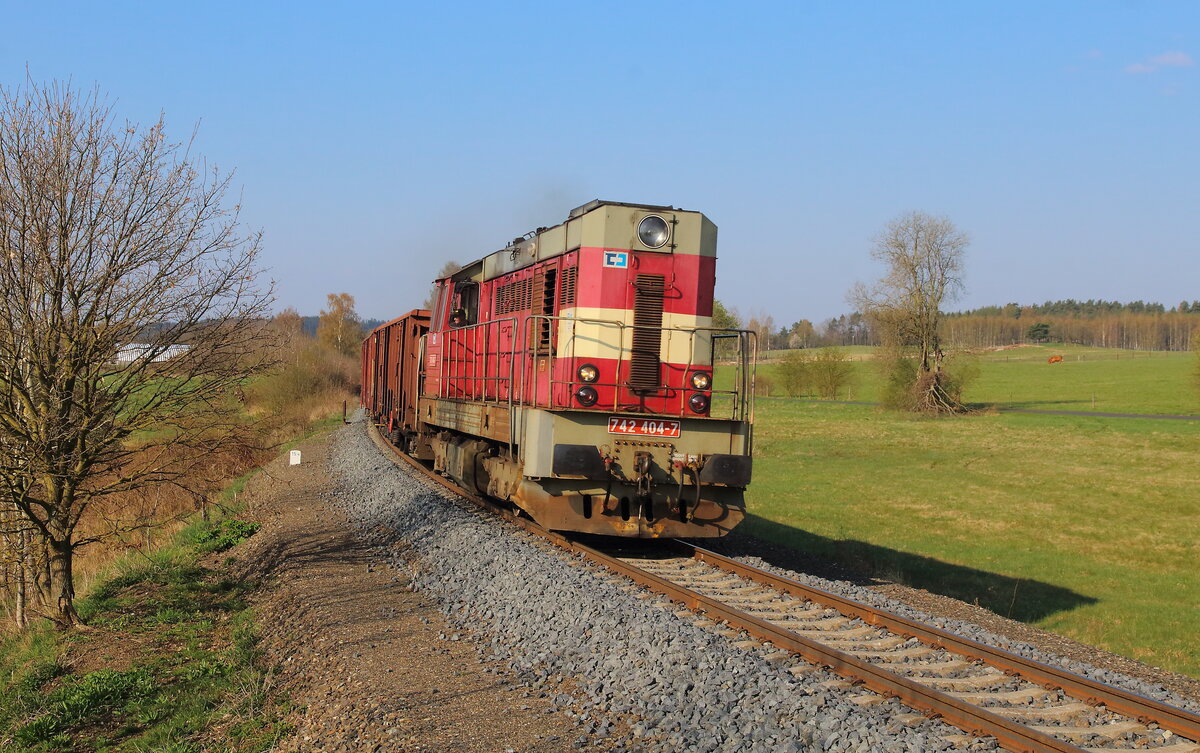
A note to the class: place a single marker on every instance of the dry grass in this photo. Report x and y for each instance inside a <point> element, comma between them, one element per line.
<point>309,385</point>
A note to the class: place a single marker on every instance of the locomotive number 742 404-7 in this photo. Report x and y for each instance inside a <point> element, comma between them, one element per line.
<point>643,427</point>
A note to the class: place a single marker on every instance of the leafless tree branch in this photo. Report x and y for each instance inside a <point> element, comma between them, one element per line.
<point>132,311</point>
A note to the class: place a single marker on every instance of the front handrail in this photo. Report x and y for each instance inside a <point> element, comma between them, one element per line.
<point>741,396</point>
<point>465,364</point>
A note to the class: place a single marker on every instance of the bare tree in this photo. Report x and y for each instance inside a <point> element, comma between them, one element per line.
<point>924,259</point>
<point>19,559</point>
<point>763,326</point>
<point>340,326</point>
<point>130,315</point>
<point>447,269</point>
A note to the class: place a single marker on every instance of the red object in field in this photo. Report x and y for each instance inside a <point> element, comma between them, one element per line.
<point>1055,359</point>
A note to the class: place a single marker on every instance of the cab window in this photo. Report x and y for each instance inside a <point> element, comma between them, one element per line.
<point>466,305</point>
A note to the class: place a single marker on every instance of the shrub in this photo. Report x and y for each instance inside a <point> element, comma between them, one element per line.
<point>899,379</point>
<point>310,381</point>
<point>87,698</point>
<point>763,385</point>
<point>794,372</point>
<point>903,390</point>
<point>1196,350</point>
<point>225,535</point>
<point>830,371</point>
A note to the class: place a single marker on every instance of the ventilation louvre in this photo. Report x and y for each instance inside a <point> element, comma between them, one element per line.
<point>543,289</point>
<point>513,296</point>
<point>645,356</point>
<point>566,289</point>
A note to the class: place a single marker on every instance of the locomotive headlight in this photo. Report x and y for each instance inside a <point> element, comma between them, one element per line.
<point>698,403</point>
<point>586,396</point>
<point>700,380</point>
<point>653,231</point>
<point>588,373</point>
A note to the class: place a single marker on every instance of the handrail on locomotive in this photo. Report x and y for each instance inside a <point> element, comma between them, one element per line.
<point>456,381</point>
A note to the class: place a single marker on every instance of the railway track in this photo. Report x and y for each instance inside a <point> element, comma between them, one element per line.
<point>984,691</point>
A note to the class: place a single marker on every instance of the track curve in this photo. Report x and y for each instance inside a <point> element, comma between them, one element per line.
<point>984,691</point>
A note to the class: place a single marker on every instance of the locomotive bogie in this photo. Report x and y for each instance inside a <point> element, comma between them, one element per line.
<point>618,509</point>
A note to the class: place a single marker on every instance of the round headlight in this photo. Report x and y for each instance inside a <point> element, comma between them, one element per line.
<point>698,403</point>
<point>653,231</point>
<point>586,396</point>
<point>700,380</point>
<point>588,373</point>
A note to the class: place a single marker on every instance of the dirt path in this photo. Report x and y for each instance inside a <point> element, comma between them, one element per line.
<point>370,664</point>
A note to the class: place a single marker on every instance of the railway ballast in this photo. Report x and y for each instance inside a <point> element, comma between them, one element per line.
<point>652,650</point>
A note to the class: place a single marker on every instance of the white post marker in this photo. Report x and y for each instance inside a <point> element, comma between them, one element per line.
<point>294,458</point>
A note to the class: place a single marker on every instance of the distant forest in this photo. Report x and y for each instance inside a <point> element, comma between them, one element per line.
<point>1107,324</point>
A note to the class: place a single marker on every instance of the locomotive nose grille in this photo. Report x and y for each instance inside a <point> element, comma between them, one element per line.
<point>644,361</point>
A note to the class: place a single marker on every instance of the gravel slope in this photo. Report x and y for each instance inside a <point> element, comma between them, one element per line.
<point>681,688</point>
<point>678,686</point>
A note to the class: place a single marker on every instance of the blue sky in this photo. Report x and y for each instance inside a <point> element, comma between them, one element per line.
<point>373,142</point>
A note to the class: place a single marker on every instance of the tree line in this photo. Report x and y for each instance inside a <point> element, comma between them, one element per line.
<point>1102,324</point>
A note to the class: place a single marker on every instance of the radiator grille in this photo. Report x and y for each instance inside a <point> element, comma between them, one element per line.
<point>644,361</point>
<point>566,289</point>
<point>513,296</point>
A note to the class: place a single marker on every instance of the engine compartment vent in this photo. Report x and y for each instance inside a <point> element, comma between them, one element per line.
<point>645,364</point>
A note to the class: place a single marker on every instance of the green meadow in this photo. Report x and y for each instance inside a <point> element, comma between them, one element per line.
<point>1087,526</point>
<point>1088,379</point>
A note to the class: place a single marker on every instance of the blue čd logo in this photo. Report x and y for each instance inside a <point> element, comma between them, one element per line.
<point>618,259</point>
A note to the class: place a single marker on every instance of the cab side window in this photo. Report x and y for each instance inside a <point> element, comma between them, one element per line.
<point>466,305</point>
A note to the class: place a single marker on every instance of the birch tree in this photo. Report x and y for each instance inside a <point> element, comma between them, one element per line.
<point>339,326</point>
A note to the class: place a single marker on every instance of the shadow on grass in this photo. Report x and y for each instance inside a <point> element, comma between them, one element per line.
<point>1020,599</point>
<point>1024,404</point>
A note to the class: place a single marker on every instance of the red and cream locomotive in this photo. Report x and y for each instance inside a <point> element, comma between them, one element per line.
<point>572,373</point>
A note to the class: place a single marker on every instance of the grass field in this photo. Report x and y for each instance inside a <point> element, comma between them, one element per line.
<point>1088,379</point>
<point>1085,526</point>
<point>168,663</point>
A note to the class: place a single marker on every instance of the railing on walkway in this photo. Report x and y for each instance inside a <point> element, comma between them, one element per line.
<point>512,363</point>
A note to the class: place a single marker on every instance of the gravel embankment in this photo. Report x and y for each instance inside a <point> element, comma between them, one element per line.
<point>679,686</point>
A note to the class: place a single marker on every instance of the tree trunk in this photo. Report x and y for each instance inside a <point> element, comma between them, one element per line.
<point>62,583</point>
<point>39,568</point>
<point>23,557</point>
<point>19,613</point>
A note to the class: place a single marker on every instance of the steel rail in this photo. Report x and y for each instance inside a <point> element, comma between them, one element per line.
<point>1089,691</point>
<point>974,720</point>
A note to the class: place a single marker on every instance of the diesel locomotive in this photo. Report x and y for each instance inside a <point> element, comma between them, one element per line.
<point>571,373</point>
